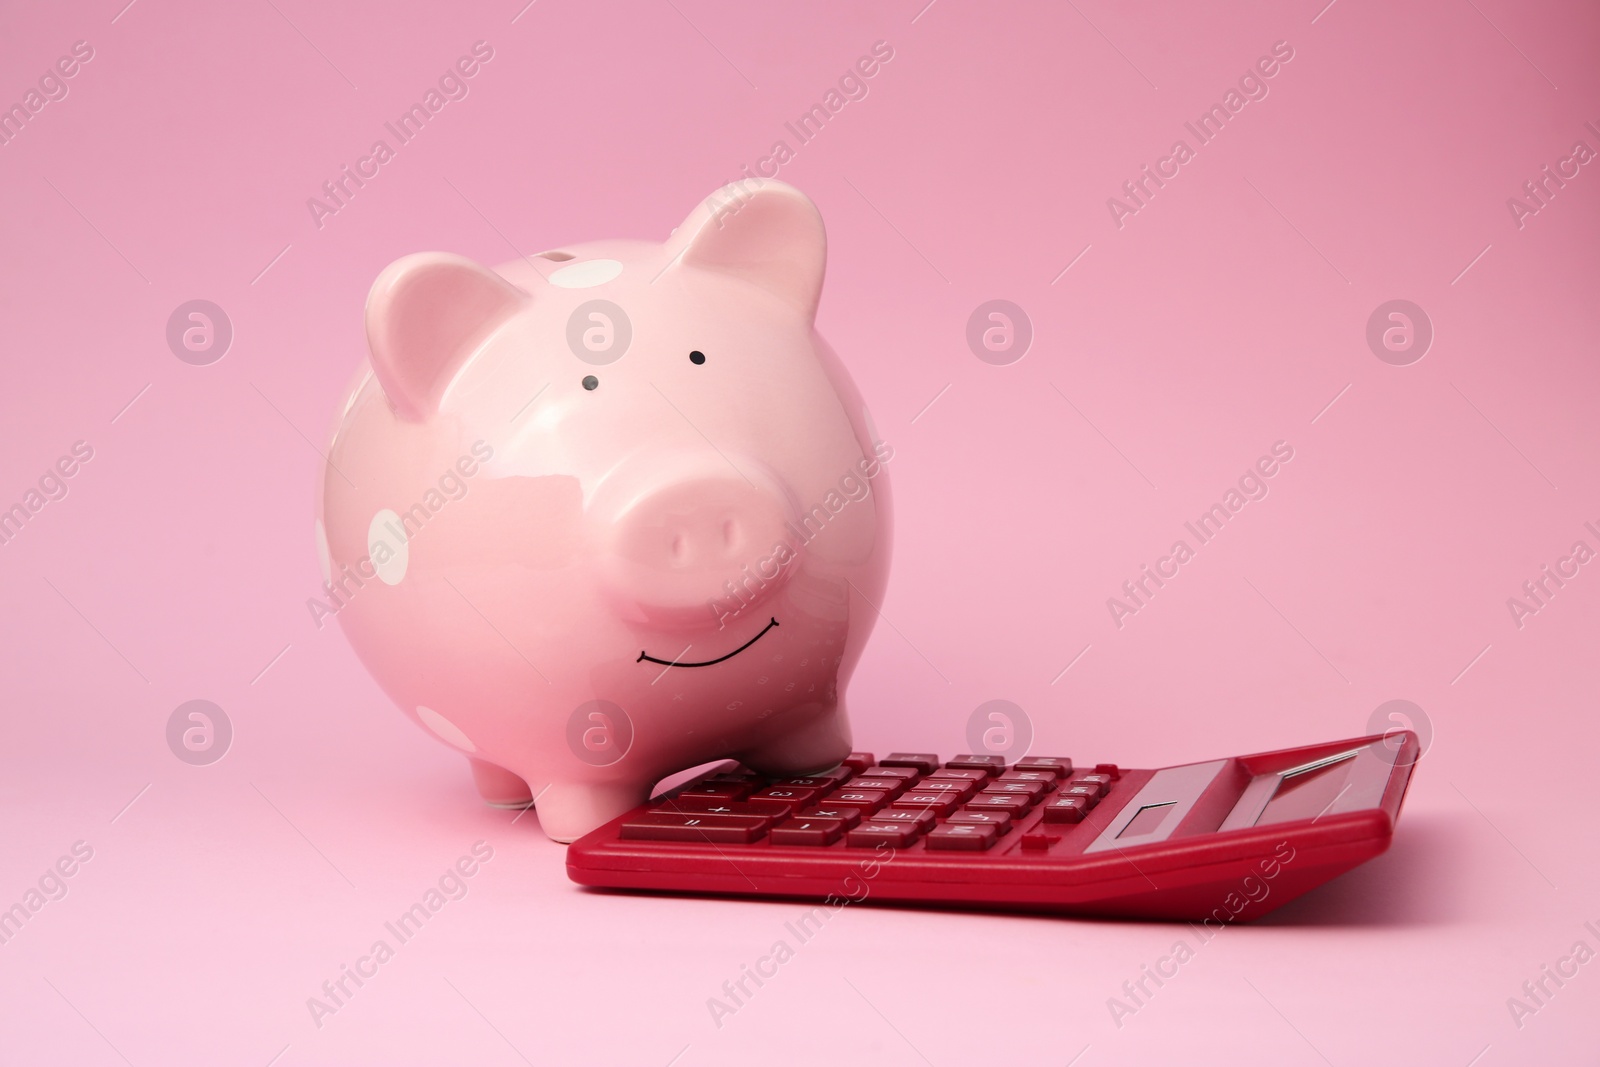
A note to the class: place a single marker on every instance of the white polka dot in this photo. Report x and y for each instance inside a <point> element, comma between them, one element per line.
<point>447,730</point>
<point>387,547</point>
<point>586,275</point>
<point>324,557</point>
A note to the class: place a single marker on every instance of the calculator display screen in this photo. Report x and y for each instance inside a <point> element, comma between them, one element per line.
<point>1149,818</point>
<point>1307,792</point>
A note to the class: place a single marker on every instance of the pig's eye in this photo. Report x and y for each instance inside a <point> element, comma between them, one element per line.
<point>697,358</point>
<point>591,382</point>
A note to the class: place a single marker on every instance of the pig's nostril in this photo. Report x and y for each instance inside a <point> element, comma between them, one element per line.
<point>730,533</point>
<point>680,547</point>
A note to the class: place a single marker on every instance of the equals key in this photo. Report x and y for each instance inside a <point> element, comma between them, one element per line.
<point>691,826</point>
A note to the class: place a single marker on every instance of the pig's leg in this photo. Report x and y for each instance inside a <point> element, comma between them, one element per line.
<point>498,786</point>
<point>567,811</point>
<point>815,746</point>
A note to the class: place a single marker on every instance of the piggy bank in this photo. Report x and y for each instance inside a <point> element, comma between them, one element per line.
<point>611,511</point>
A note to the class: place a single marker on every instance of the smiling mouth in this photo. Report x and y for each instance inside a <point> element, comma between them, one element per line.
<point>646,657</point>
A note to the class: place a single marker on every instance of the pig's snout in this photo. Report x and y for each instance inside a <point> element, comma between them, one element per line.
<point>680,548</point>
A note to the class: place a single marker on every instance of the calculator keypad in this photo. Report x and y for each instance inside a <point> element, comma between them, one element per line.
<point>967,804</point>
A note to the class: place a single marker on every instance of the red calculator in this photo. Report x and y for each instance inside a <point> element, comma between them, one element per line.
<point>1224,840</point>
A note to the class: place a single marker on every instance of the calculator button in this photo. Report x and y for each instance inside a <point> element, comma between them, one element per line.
<point>963,837</point>
<point>1088,791</point>
<point>733,773</point>
<point>1100,781</point>
<point>858,761</point>
<point>802,783</point>
<point>959,774</point>
<point>1000,820</point>
<point>672,826</point>
<point>1109,769</point>
<point>1066,809</point>
<point>1060,766</point>
<point>1007,802</point>
<point>938,785</point>
<point>1046,777</point>
<point>905,774</point>
<point>798,831</point>
<point>835,812</point>
<point>1036,842</point>
<point>892,786</point>
<point>822,780</point>
<point>938,803</point>
<point>1026,789</point>
<point>870,834</point>
<point>921,819</point>
<point>761,809</point>
<point>922,761</point>
<point>716,789</point>
<point>987,764</point>
<point>795,798</point>
<point>868,800</point>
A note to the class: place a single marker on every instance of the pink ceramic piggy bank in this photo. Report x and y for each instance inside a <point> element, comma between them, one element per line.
<point>606,513</point>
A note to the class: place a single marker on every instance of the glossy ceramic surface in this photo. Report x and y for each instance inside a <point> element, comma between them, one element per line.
<point>611,511</point>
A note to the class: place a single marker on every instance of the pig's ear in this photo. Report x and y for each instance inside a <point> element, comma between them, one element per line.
<point>426,313</point>
<point>762,231</point>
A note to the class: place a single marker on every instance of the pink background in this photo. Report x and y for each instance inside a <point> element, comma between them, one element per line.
<point>1223,317</point>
